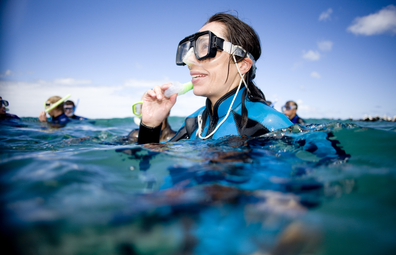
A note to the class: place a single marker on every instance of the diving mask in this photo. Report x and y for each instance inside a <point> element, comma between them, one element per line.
<point>4,103</point>
<point>205,45</point>
<point>137,108</point>
<point>288,107</point>
<point>69,110</point>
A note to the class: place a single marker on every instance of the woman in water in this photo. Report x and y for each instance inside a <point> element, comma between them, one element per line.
<point>221,58</point>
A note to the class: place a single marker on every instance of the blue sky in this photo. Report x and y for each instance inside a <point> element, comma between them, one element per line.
<point>337,59</point>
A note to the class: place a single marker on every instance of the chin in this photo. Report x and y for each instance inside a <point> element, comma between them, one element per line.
<point>198,92</point>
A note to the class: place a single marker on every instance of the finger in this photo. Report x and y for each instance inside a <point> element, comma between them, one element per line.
<point>159,92</point>
<point>165,86</point>
<point>151,93</point>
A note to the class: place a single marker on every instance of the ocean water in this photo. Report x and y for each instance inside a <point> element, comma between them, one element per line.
<point>326,188</point>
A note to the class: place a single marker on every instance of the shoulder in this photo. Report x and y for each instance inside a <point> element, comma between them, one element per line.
<point>300,120</point>
<point>267,116</point>
<point>11,116</point>
<point>75,117</point>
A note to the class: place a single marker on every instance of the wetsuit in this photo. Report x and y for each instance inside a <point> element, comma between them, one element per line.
<point>60,120</point>
<point>297,120</point>
<point>166,134</point>
<point>75,117</point>
<point>260,120</point>
<point>8,117</point>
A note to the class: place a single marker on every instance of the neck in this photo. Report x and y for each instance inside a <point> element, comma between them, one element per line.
<point>235,84</point>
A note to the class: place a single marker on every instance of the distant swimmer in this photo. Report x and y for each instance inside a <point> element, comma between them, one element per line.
<point>59,118</point>
<point>290,110</point>
<point>70,108</point>
<point>3,111</point>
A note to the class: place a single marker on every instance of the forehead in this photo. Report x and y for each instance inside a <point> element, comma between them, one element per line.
<point>217,28</point>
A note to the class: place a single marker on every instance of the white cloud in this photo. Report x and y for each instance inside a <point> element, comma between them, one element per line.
<point>6,73</point>
<point>326,15</point>
<point>325,45</point>
<point>383,21</point>
<point>311,55</point>
<point>315,75</point>
<point>95,101</point>
<point>71,81</point>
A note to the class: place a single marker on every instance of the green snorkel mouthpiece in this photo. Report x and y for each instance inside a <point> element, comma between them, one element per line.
<point>57,103</point>
<point>178,88</point>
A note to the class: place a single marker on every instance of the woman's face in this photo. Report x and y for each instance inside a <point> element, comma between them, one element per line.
<point>209,76</point>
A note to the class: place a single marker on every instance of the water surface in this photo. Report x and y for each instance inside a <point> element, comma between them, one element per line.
<point>328,188</point>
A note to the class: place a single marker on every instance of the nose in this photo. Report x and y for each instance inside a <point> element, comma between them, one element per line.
<point>190,59</point>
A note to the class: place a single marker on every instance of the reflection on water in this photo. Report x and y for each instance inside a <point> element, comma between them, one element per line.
<point>325,188</point>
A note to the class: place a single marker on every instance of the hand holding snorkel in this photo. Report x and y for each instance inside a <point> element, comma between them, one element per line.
<point>157,102</point>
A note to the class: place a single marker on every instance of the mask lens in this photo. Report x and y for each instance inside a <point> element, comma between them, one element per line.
<point>182,51</point>
<point>4,103</point>
<point>288,107</point>
<point>202,46</point>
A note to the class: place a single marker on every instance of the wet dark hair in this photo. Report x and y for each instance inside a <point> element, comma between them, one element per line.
<point>69,102</point>
<point>288,103</point>
<point>241,34</point>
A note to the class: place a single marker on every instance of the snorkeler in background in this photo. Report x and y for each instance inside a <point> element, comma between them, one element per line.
<point>290,110</point>
<point>221,58</point>
<point>59,118</point>
<point>3,111</point>
<point>70,108</point>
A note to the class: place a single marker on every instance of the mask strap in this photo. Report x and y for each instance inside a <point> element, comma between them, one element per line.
<point>242,75</point>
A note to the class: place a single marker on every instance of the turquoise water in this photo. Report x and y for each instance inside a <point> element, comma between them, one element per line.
<point>83,189</point>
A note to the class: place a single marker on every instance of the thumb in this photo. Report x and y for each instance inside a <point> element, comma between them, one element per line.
<point>173,98</point>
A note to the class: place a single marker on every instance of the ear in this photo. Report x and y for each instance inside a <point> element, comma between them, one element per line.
<point>245,65</point>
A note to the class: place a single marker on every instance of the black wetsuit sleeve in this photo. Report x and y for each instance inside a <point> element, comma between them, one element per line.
<point>300,121</point>
<point>149,134</point>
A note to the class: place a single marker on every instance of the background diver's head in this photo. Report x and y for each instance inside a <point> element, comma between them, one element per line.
<point>3,105</point>
<point>57,110</point>
<point>69,108</point>
<point>290,109</point>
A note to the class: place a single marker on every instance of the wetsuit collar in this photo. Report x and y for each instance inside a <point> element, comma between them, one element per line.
<point>294,120</point>
<point>222,105</point>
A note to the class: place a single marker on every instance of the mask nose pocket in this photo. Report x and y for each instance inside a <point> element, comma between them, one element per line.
<point>189,57</point>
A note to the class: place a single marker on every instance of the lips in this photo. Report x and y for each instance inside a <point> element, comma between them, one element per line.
<point>196,75</point>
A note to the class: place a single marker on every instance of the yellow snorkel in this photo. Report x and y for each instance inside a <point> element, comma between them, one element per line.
<point>56,104</point>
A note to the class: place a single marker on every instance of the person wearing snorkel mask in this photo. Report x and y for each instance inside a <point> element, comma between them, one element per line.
<point>70,108</point>
<point>59,118</point>
<point>221,58</point>
<point>290,110</point>
<point>3,111</point>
